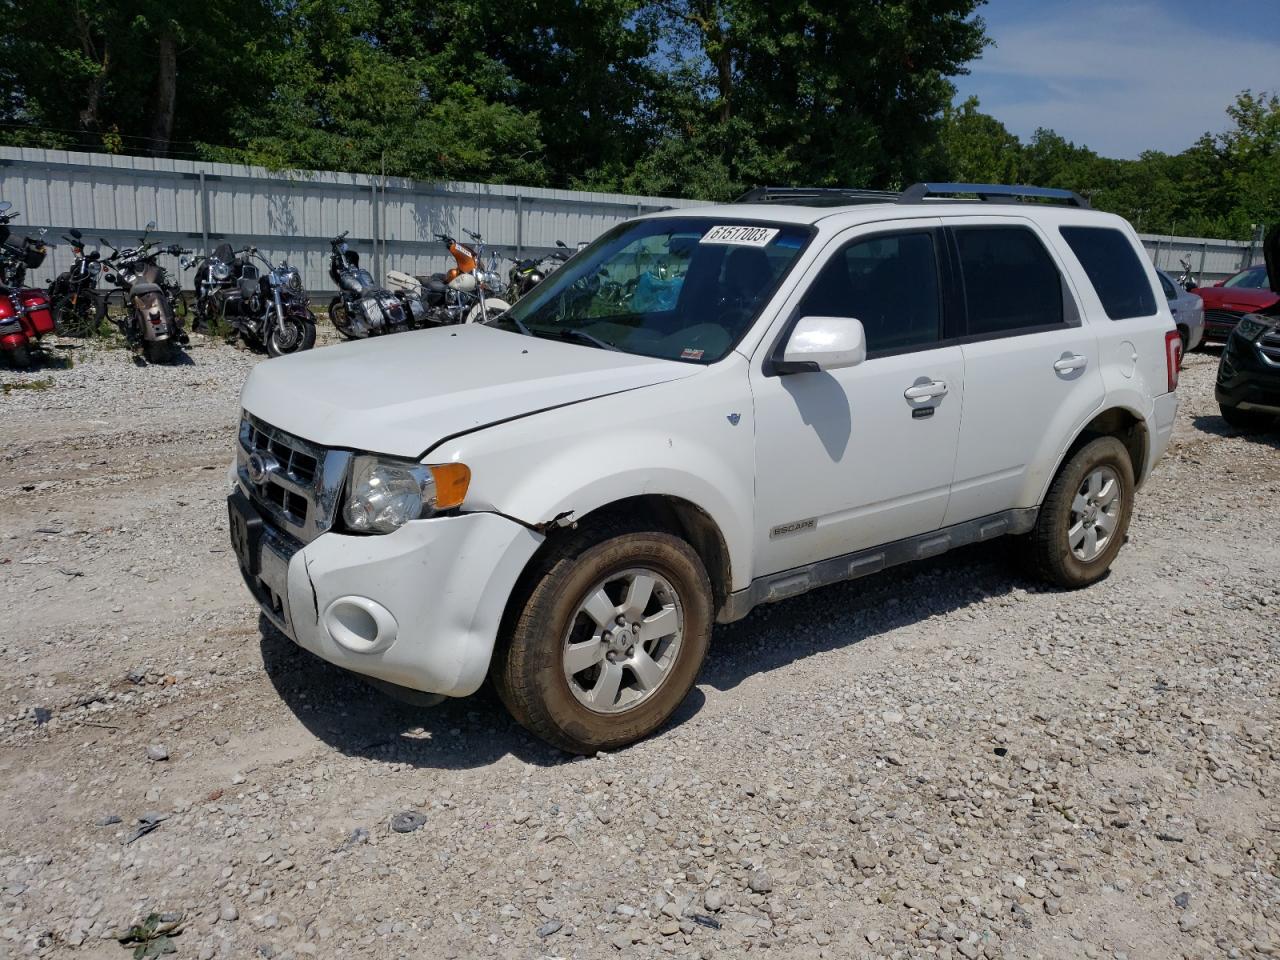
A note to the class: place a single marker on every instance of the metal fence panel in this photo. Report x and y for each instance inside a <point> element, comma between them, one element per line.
<point>392,221</point>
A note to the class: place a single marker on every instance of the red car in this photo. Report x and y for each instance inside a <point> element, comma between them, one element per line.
<point>1229,300</point>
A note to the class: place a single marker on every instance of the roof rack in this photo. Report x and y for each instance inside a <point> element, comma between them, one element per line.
<point>999,192</point>
<point>818,196</point>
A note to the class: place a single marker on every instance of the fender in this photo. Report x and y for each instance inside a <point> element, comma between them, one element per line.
<point>691,438</point>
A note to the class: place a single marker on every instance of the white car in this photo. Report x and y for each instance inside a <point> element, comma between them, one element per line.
<point>1187,310</point>
<point>706,410</point>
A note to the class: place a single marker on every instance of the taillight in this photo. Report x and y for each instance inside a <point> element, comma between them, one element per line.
<point>1173,357</point>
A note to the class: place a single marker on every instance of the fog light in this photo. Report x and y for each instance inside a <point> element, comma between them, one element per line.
<point>360,625</point>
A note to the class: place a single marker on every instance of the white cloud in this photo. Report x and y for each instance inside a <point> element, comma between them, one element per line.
<point>1119,77</point>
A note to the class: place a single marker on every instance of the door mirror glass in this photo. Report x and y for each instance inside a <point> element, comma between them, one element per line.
<point>77,234</point>
<point>5,206</point>
<point>823,343</point>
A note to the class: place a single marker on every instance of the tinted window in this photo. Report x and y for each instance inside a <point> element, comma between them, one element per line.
<point>1010,281</point>
<point>1114,269</point>
<point>890,283</point>
<point>1254,278</point>
<point>1169,292</point>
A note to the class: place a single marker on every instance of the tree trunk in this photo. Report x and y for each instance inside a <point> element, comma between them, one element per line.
<point>166,92</point>
<point>90,122</point>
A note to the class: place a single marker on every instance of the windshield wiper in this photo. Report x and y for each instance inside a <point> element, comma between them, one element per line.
<point>581,336</point>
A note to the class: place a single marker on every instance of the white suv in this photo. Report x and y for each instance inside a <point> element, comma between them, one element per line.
<point>705,410</point>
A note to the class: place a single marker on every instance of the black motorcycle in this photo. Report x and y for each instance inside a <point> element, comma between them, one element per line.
<point>266,308</point>
<point>150,322</point>
<point>18,256</point>
<point>361,308</point>
<point>527,273</point>
<point>77,308</point>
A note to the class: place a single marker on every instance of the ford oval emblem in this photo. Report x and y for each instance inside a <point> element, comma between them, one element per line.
<point>260,465</point>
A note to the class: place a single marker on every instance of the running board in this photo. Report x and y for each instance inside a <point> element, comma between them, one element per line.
<point>851,566</point>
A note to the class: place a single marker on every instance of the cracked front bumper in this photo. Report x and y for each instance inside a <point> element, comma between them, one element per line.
<point>443,583</point>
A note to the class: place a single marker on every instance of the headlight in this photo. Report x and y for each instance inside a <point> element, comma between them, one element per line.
<point>1252,326</point>
<point>220,271</point>
<point>386,494</point>
<point>293,280</point>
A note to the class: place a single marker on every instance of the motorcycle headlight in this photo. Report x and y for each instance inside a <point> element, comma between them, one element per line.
<point>220,271</point>
<point>293,280</point>
<point>95,267</point>
<point>385,494</point>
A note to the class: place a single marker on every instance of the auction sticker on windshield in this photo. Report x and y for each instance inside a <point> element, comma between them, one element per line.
<point>741,236</point>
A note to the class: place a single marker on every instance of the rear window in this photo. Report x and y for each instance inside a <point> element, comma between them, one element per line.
<point>1011,284</point>
<point>1114,269</point>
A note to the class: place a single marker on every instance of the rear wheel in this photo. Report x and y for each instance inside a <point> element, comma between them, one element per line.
<point>339,318</point>
<point>20,358</point>
<point>158,351</point>
<point>1085,516</point>
<point>609,641</point>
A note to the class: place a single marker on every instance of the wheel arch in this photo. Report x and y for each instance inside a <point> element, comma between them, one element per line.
<point>1127,426</point>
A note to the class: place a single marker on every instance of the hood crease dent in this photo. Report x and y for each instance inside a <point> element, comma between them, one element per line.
<point>407,393</point>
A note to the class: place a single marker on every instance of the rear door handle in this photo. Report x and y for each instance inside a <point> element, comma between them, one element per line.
<point>926,391</point>
<point>1069,362</point>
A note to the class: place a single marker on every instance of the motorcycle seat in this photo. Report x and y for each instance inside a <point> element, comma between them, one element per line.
<point>140,289</point>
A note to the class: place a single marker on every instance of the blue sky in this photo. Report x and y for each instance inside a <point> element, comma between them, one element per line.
<point>1127,75</point>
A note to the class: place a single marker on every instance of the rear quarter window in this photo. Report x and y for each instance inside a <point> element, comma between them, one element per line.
<point>1115,270</point>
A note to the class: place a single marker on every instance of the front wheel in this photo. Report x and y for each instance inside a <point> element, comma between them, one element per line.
<point>1243,419</point>
<point>293,335</point>
<point>1085,516</point>
<point>609,640</point>
<point>493,308</point>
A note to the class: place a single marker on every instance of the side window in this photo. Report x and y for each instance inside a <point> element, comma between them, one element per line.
<point>1169,292</point>
<point>1011,283</point>
<point>1114,269</point>
<point>890,283</point>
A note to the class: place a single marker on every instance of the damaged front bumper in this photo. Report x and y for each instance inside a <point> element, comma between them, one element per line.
<point>419,608</point>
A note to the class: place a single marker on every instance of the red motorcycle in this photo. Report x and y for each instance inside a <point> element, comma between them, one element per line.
<point>25,314</point>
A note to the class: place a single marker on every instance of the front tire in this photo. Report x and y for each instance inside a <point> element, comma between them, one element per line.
<point>1244,420</point>
<point>609,640</point>
<point>1085,516</point>
<point>339,318</point>
<point>292,336</point>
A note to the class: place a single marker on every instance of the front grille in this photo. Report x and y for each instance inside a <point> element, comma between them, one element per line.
<point>1269,347</point>
<point>1222,318</point>
<point>301,486</point>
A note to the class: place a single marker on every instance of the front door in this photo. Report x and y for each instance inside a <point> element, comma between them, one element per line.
<point>853,458</point>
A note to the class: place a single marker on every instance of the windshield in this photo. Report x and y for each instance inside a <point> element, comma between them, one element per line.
<point>1255,278</point>
<point>680,288</point>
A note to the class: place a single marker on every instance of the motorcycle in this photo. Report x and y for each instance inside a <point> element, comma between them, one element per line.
<point>361,308</point>
<point>77,310</point>
<point>526,274</point>
<point>25,316</point>
<point>467,293</point>
<point>267,309</point>
<point>17,256</point>
<point>151,316</point>
<point>1186,280</point>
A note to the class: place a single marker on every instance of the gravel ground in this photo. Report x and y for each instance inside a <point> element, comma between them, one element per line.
<point>946,760</point>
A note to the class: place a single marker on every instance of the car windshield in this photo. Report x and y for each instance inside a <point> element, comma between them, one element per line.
<point>680,288</point>
<point>1255,278</point>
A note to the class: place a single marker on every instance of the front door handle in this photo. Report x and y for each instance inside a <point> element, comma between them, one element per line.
<point>1070,362</point>
<point>926,391</point>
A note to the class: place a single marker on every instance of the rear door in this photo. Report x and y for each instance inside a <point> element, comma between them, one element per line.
<point>1031,364</point>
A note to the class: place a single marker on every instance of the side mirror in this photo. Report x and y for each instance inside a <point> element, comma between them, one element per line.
<point>1190,285</point>
<point>77,234</point>
<point>5,206</point>
<point>151,225</point>
<point>823,343</point>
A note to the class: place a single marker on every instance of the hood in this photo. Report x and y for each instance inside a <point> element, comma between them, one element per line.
<point>401,395</point>
<point>1240,299</point>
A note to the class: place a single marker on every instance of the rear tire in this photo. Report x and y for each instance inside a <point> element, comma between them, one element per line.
<point>609,640</point>
<point>1245,420</point>
<point>1081,526</point>
<point>158,351</point>
<point>20,358</point>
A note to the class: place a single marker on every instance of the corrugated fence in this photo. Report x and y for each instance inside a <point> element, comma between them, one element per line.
<point>392,221</point>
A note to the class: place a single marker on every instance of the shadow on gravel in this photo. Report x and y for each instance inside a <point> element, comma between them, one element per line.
<point>349,715</point>
<point>847,613</point>
<point>1218,427</point>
